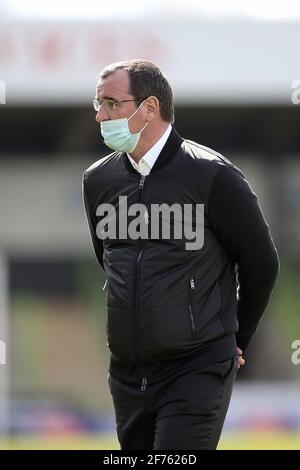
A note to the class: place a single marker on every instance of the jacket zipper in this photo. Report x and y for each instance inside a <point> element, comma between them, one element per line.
<point>142,181</point>
<point>144,384</point>
<point>137,280</point>
<point>192,288</point>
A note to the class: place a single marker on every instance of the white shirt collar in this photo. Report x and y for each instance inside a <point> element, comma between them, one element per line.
<point>146,163</point>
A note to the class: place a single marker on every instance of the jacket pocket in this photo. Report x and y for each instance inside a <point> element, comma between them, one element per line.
<point>230,366</point>
<point>190,307</point>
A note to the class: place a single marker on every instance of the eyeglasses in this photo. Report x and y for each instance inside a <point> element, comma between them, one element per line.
<point>108,104</point>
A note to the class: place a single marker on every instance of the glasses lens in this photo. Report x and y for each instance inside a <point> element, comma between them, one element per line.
<point>108,105</point>
<point>96,105</point>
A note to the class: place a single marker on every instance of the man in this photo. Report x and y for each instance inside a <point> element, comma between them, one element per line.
<point>178,318</point>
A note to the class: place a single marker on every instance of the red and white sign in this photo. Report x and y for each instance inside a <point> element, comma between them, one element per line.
<point>208,61</point>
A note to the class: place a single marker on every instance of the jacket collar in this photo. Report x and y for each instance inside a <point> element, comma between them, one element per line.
<point>167,153</point>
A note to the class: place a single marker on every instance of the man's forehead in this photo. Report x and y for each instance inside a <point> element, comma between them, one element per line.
<point>117,82</point>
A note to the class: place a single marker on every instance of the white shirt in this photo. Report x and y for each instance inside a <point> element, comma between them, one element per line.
<point>146,163</point>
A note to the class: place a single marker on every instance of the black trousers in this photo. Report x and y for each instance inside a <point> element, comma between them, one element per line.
<point>186,411</point>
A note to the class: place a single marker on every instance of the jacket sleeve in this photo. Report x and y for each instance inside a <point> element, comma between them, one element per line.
<point>92,223</point>
<point>238,223</point>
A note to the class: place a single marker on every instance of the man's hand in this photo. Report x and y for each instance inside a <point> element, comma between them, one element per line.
<point>241,360</point>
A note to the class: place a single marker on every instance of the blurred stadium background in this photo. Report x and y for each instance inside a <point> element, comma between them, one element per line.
<point>236,78</point>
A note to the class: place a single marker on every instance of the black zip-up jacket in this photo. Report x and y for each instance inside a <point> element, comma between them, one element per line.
<point>164,301</point>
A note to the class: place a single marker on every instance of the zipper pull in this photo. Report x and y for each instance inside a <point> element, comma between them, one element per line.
<point>146,217</point>
<point>192,283</point>
<point>104,285</point>
<point>142,181</point>
<point>144,384</point>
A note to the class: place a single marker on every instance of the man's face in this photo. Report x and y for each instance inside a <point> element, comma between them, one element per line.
<point>116,88</point>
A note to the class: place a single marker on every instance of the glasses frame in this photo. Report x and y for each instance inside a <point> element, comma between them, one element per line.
<point>97,105</point>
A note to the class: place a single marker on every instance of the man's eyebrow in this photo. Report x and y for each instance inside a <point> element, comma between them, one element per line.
<point>108,98</point>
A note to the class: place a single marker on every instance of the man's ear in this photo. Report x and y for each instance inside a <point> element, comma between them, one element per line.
<point>150,107</point>
<point>152,104</point>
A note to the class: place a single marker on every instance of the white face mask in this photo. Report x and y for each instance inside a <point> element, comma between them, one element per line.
<point>117,135</point>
